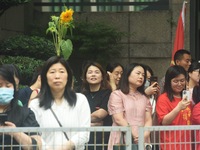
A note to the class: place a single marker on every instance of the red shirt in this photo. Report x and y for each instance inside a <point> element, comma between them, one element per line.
<point>171,140</point>
<point>196,121</point>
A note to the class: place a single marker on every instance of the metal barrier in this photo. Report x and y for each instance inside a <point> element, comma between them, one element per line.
<point>28,130</point>
<point>173,131</point>
<point>181,137</point>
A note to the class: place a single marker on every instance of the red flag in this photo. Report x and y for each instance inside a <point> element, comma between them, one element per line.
<point>179,37</point>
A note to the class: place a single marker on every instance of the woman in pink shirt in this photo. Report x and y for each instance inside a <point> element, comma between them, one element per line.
<point>128,105</point>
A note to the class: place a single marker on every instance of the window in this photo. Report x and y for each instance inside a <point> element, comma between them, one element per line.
<point>106,8</point>
<point>60,7</point>
<point>103,5</point>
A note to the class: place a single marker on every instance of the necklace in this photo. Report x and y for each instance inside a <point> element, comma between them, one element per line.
<point>93,94</point>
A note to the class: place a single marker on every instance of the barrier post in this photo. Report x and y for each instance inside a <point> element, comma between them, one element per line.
<point>141,138</point>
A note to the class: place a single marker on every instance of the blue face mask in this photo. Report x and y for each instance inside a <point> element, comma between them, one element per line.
<point>6,95</point>
<point>147,84</point>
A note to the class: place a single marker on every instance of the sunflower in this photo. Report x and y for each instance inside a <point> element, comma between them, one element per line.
<point>59,26</point>
<point>66,16</point>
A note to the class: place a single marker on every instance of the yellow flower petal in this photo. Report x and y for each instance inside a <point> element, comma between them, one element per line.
<point>66,16</point>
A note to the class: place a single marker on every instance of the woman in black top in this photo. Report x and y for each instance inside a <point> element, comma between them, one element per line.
<point>97,90</point>
<point>15,116</point>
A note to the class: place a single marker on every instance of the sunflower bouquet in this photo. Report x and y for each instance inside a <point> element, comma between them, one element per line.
<point>59,27</point>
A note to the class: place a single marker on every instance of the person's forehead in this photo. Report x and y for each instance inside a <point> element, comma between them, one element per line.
<point>118,68</point>
<point>148,74</point>
<point>186,56</point>
<point>2,78</point>
<point>93,68</point>
<point>180,76</point>
<point>138,68</point>
<point>3,81</point>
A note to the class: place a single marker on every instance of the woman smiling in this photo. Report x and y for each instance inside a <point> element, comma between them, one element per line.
<point>173,109</point>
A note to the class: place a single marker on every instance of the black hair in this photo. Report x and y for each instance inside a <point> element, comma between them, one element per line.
<point>45,95</point>
<point>35,75</point>
<point>196,94</point>
<point>13,69</point>
<point>7,74</point>
<point>85,85</point>
<point>124,83</point>
<point>149,69</point>
<point>179,54</point>
<point>111,66</point>
<point>172,72</point>
<point>194,65</point>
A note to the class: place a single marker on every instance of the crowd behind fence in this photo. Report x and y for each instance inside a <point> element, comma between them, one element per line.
<point>155,131</point>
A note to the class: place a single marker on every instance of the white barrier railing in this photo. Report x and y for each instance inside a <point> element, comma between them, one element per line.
<point>172,130</point>
<point>28,130</point>
<point>194,129</point>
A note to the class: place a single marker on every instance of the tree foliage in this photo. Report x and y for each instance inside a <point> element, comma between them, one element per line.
<point>26,66</point>
<point>6,4</point>
<point>96,41</point>
<point>25,45</point>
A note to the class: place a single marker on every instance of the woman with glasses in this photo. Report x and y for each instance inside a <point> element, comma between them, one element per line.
<point>193,76</point>
<point>173,109</point>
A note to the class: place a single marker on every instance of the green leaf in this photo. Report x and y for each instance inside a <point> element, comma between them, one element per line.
<point>55,19</point>
<point>47,31</point>
<point>52,30</point>
<point>66,47</point>
<point>51,24</point>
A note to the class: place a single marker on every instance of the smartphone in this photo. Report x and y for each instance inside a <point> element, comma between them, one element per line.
<point>3,118</point>
<point>186,93</point>
<point>153,79</point>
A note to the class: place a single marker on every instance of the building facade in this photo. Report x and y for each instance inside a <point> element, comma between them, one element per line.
<point>151,28</point>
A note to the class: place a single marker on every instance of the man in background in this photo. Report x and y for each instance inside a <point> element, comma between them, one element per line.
<point>182,58</point>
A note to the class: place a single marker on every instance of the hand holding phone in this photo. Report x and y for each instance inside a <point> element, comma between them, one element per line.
<point>3,119</point>
<point>153,79</point>
<point>186,95</point>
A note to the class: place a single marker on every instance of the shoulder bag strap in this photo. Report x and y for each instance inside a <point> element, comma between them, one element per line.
<point>59,122</point>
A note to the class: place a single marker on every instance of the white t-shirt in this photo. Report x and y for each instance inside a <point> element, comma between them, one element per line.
<point>153,103</point>
<point>77,116</point>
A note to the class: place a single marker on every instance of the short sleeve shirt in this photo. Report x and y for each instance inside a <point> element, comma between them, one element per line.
<point>24,118</point>
<point>134,106</point>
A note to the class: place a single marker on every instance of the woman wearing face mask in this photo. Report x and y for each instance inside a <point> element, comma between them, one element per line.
<point>152,88</point>
<point>16,116</point>
<point>16,74</point>
<point>114,71</point>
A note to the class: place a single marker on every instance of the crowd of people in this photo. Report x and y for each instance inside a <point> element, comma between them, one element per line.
<point>118,95</point>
